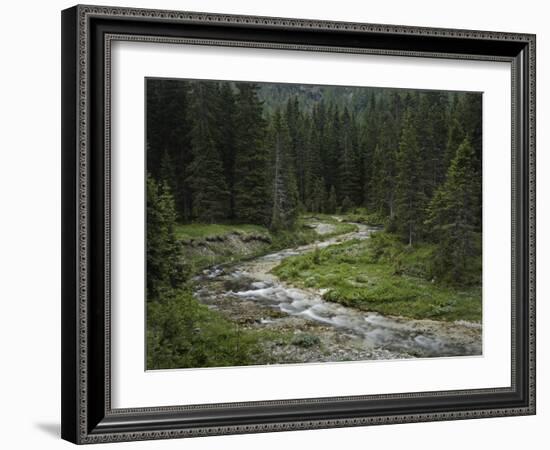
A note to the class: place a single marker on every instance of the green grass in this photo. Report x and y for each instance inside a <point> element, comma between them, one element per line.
<point>221,251</point>
<point>182,333</point>
<point>340,227</point>
<point>301,234</point>
<point>362,215</point>
<point>353,276</point>
<point>190,231</point>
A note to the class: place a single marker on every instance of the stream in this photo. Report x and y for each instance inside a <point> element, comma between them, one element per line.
<point>323,331</point>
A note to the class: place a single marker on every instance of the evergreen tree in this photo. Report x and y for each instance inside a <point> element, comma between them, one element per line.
<point>332,147</point>
<point>297,140</point>
<point>369,141</point>
<point>455,137</point>
<point>347,205</point>
<point>211,196</point>
<point>348,167</point>
<point>251,161</point>
<point>410,197</point>
<point>168,138</point>
<point>168,171</point>
<point>284,192</point>
<point>453,214</point>
<point>315,190</point>
<point>331,201</point>
<point>469,113</point>
<point>439,120</point>
<point>163,268</point>
<point>226,122</point>
<point>384,167</point>
<point>318,197</point>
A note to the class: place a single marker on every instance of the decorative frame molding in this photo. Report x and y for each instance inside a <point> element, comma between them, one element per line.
<point>88,31</point>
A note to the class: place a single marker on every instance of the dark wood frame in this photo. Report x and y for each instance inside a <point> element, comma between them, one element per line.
<point>87,32</point>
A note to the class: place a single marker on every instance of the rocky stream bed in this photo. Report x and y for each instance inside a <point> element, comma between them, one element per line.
<point>250,295</point>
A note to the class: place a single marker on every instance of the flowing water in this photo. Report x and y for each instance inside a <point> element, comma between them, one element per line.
<point>250,295</point>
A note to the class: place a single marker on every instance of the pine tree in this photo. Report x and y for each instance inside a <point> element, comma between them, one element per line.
<point>163,267</point>
<point>410,197</point>
<point>315,190</point>
<point>318,196</point>
<point>368,143</point>
<point>227,129</point>
<point>168,138</point>
<point>251,160</point>
<point>332,148</point>
<point>470,115</point>
<point>431,125</point>
<point>455,137</point>
<point>297,140</point>
<point>331,201</point>
<point>439,120</point>
<point>284,192</point>
<point>384,170</point>
<point>348,167</point>
<point>318,151</point>
<point>347,205</point>
<point>210,193</point>
<point>453,214</point>
<point>167,172</point>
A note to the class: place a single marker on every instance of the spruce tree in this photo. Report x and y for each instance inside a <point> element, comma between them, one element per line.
<point>331,201</point>
<point>207,179</point>
<point>410,196</point>
<point>168,137</point>
<point>455,137</point>
<point>439,119</point>
<point>318,196</point>
<point>297,130</point>
<point>332,148</point>
<point>347,205</point>
<point>228,129</point>
<point>315,190</point>
<point>167,172</point>
<point>251,160</point>
<point>384,170</point>
<point>284,193</point>
<point>348,167</point>
<point>453,214</point>
<point>368,142</point>
<point>163,267</point>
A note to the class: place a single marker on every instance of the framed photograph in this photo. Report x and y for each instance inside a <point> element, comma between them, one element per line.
<point>280,224</point>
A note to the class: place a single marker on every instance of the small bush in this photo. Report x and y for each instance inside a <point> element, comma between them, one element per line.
<point>305,340</point>
<point>182,333</point>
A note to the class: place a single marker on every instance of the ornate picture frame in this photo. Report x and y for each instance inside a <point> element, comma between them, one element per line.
<point>88,33</point>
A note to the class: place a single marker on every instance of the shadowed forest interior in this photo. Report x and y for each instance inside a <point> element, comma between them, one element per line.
<point>376,191</point>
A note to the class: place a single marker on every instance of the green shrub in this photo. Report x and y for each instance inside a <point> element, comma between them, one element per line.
<point>182,333</point>
<point>305,340</point>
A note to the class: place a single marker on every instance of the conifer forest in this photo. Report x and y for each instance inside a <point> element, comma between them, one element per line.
<point>293,223</point>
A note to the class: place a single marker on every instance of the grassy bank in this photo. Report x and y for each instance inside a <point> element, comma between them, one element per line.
<point>191,231</point>
<point>360,274</point>
<point>182,333</point>
<point>205,245</point>
<point>362,215</point>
